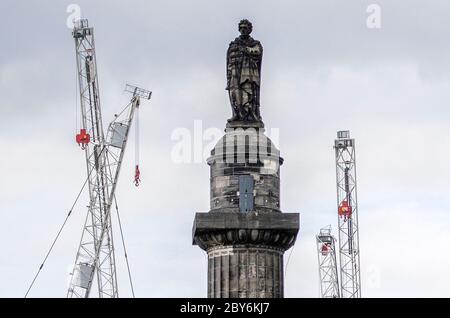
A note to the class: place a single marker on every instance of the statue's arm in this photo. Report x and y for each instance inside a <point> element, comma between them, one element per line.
<point>255,51</point>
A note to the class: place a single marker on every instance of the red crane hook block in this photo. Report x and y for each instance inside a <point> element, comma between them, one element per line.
<point>326,247</point>
<point>345,209</point>
<point>137,175</point>
<point>83,138</point>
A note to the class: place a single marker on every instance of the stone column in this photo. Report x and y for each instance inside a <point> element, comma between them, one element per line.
<point>245,272</point>
<point>245,243</point>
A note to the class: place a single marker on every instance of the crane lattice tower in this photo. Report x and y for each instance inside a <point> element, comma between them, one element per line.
<point>347,215</point>
<point>328,274</point>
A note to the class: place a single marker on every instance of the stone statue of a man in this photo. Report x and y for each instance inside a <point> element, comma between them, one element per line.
<point>244,58</point>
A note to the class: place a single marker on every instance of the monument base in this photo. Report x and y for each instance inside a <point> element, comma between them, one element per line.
<point>244,124</point>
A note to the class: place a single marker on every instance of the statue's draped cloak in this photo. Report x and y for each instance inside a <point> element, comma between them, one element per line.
<point>244,67</point>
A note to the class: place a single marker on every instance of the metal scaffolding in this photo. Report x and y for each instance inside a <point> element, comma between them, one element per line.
<point>347,215</point>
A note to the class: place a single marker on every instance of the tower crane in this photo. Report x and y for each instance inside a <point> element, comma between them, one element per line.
<point>347,215</point>
<point>328,274</point>
<point>104,155</point>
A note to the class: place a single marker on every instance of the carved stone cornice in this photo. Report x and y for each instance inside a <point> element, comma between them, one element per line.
<point>274,230</point>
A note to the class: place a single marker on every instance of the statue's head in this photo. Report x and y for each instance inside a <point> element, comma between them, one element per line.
<point>245,27</point>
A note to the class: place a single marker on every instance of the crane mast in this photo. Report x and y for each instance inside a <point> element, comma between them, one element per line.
<point>103,161</point>
<point>328,274</point>
<point>347,215</point>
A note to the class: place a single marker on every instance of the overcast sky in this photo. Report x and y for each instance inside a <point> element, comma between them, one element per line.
<point>323,70</point>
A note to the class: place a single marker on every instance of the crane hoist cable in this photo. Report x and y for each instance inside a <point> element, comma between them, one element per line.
<point>76,104</point>
<point>289,258</point>
<point>124,247</point>
<point>137,172</point>
<point>58,234</point>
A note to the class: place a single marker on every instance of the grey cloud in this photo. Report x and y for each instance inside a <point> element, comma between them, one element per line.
<point>323,70</point>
